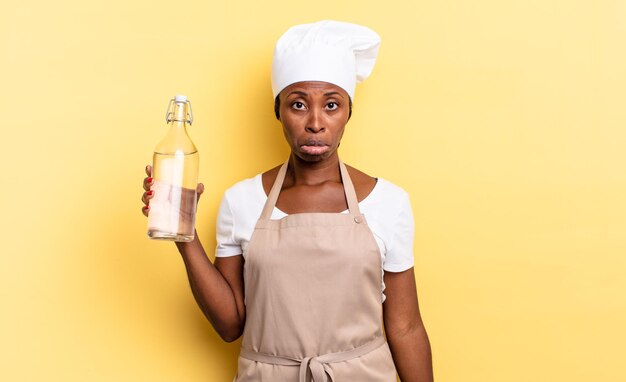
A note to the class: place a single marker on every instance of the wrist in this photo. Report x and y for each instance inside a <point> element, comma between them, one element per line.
<point>189,244</point>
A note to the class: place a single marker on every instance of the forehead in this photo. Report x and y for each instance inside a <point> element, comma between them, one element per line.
<point>314,87</point>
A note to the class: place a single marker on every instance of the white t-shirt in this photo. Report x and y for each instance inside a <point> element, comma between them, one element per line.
<point>387,210</point>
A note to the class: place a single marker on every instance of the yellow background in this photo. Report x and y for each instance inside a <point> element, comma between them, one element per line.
<point>504,120</point>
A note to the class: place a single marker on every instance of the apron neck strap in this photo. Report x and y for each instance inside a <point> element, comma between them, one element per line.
<point>273,196</point>
<point>348,187</point>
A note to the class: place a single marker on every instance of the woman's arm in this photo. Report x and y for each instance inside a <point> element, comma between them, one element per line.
<point>404,328</point>
<point>218,289</point>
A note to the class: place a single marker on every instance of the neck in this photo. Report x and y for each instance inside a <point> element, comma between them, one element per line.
<point>313,173</point>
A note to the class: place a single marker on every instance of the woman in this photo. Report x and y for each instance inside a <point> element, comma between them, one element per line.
<point>299,271</point>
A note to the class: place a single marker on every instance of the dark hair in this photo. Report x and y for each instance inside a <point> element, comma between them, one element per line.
<point>277,107</point>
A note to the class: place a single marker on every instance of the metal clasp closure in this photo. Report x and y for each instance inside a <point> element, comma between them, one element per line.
<point>169,115</point>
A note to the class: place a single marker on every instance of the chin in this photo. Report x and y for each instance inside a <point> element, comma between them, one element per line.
<point>313,158</point>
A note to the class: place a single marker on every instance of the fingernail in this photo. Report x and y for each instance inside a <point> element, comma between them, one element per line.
<point>150,192</point>
<point>150,180</point>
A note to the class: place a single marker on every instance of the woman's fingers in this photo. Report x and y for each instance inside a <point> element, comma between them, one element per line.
<point>149,194</point>
<point>145,198</point>
<point>147,183</point>
<point>199,190</point>
<point>146,201</point>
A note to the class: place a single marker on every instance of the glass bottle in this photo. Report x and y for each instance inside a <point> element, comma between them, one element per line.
<point>172,212</point>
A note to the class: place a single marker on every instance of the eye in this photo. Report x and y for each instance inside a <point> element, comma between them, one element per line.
<point>332,106</point>
<point>298,105</point>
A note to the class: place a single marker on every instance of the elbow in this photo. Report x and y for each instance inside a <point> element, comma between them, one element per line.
<point>229,327</point>
<point>405,330</point>
<point>230,337</point>
<point>231,334</point>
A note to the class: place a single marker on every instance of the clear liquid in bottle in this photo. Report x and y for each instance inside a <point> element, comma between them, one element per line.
<point>175,165</point>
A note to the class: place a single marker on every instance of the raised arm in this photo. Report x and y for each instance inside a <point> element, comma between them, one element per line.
<point>218,288</point>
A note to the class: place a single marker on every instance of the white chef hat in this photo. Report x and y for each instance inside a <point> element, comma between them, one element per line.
<point>331,51</point>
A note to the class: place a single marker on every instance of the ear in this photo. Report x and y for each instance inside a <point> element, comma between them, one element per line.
<point>277,107</point>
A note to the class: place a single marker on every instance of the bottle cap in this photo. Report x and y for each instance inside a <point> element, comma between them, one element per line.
<point>180,98</point>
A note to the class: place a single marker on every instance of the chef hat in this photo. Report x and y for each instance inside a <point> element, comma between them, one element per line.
<point>330,51</point>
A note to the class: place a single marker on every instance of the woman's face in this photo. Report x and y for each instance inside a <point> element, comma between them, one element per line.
<point>314,115</point>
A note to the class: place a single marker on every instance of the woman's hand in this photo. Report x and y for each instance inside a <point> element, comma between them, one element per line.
<point>149,194</point>
<point>145,198</point>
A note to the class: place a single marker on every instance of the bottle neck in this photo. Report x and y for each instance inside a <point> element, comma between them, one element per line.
<point>178,124</point>
<point>180,116</point>
<point>177,140</point>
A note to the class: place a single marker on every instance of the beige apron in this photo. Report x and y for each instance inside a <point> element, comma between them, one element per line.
<point>313,298</point>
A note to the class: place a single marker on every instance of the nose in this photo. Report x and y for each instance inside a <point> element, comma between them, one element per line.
<point>315,123</point>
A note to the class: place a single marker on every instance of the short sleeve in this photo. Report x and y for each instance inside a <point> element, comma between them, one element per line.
<point>225,231</point>
<point>399,256</point>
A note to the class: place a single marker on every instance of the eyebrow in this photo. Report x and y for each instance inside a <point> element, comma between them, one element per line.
<point>298,92</point>
<point>333,93</point>
<point>304,94</point>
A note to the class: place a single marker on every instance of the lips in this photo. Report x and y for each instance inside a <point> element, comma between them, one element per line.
<point>314,142</point>
<point>314,147</point>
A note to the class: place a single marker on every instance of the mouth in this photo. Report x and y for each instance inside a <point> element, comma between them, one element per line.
<point>314,147</point>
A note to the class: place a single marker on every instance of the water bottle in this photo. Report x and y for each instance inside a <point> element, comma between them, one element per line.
<point>172,212</point>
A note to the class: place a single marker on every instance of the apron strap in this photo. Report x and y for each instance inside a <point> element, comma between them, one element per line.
<point>348,187</point>
<point>273,196</point>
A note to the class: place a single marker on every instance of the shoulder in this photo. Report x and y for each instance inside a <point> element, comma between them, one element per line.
<point>268,178</point>
<point>242,201</point>
<point>245,195</point>
<point>390,190</point>
<point>390,198</point>
<point>364,184</point>
<point>378,190</point>
<point>242,188</point>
